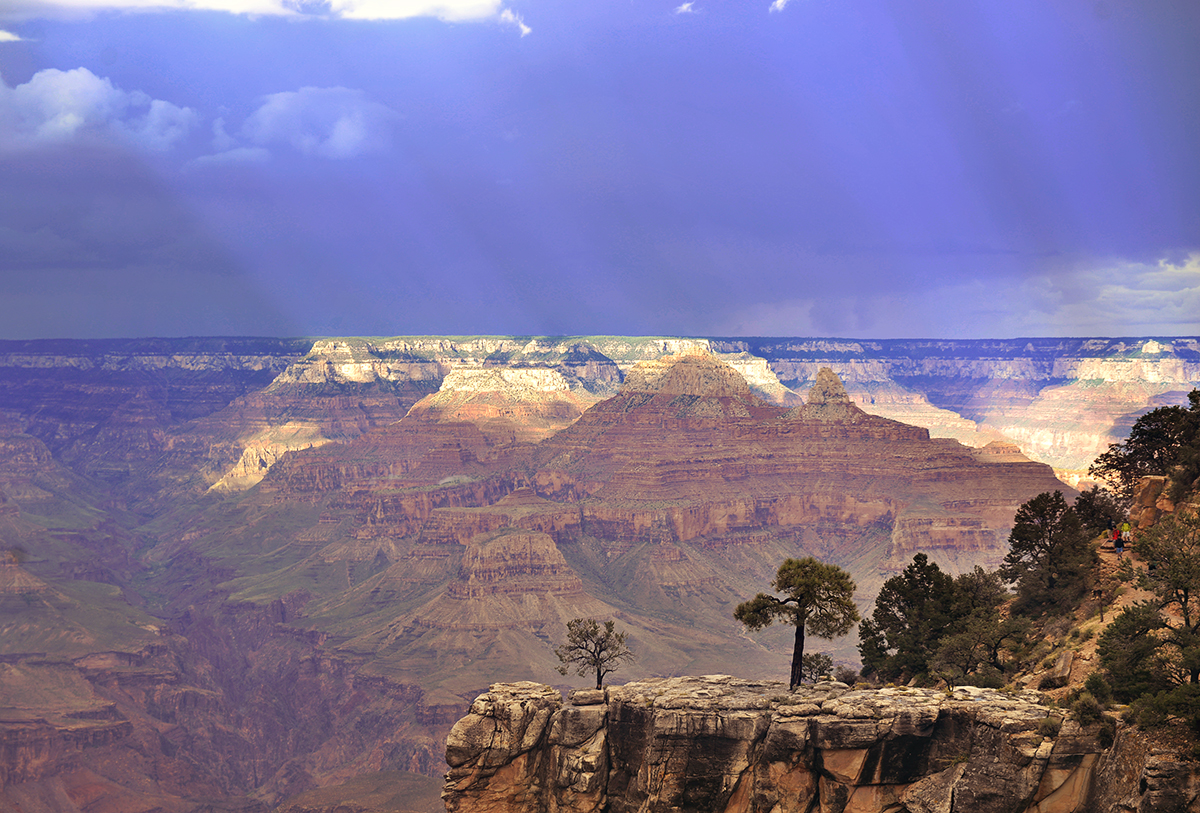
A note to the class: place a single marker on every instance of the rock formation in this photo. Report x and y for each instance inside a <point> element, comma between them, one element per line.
<point>509,405</point>
<point>1150,502</point>
<point>1063,401</point>
<point>716,743</point>
<point>164,415</point>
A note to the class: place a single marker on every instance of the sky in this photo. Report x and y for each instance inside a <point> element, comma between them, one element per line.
<point>857,168</point>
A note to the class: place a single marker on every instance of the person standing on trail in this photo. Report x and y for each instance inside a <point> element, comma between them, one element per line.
<point>1119,543</point>
<point>1126,533</point>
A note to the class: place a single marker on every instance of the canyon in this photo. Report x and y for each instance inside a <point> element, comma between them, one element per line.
<point>238,571</point>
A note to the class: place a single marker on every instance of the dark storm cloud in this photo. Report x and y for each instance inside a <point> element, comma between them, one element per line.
<point>878,168</point>
<point>93,244</point>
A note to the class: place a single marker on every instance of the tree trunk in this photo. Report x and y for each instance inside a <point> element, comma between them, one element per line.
<point>599,678</point>
<point>798,657</point>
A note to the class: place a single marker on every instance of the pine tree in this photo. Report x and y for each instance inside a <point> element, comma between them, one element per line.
<point>819,600</point>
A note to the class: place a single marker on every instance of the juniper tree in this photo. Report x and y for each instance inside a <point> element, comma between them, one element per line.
<point>816,665</point>
<point>818,600</point>
<point>590,647</point>
<point>926,622</point>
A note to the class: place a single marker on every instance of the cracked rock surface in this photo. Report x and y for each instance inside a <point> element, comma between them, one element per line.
<point>718,743</point>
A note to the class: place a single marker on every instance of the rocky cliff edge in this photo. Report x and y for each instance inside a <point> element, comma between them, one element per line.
<point>716,743</point>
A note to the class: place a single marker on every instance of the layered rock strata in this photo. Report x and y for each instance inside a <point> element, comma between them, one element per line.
<point>715,743</point>
<point>1063,401</point>
<point>139,410</point>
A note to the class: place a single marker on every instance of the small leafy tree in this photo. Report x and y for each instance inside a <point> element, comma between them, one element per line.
<point>816,666</point>
<point>819,599</point>
<point>1049,553</point>
<point>591,647</point>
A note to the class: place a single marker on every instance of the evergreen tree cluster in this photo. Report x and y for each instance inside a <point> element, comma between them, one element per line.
<point>1164,442</point>
<point>928,625</point>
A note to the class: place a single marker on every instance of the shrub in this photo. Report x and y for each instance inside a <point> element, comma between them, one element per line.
<point>1108,732</point>
<point>1050,726</point>
<point>845,674</point>
<point>1052,682</point>
<point>1129,652</point>
<point>1086,710</point>
<point>989,677</point>
<point>816,666</point>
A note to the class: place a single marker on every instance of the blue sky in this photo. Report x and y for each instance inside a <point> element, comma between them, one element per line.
<point>869,168</point>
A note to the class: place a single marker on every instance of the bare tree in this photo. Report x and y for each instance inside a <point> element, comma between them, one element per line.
<point>592,647</point>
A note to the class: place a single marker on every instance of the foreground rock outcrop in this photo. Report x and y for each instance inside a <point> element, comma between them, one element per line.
<point>716,743</point>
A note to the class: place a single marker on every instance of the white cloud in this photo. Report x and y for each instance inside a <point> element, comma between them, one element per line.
<point>349,9</point>
<point>222,140</point>
<point>510,17</point>
<point>8,36</point>
<point>329,122</point>
<point>56,107</point>
<point>401,9</point>
<point>778,5</point>
<point>685,8</point>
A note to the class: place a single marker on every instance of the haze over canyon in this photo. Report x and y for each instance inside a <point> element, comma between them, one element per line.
<point>237,570</point>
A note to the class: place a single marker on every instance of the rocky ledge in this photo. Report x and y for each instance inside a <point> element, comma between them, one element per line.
<point>717,743</point>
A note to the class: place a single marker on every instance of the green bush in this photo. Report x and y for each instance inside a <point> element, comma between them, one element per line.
<point>1049,726</point>
<point>844,674</point>
<point>988,677</point>
<point>1098,688</point>
<point>1180,703</point>
<point>1052,682</point>
<point>1068,699</point>
<point>1087,710</point>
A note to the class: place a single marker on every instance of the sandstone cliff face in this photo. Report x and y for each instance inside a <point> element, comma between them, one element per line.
<point>688,452</point>
<point>146,419</point>
<point>1062,400</point>
<point>720,744</point>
